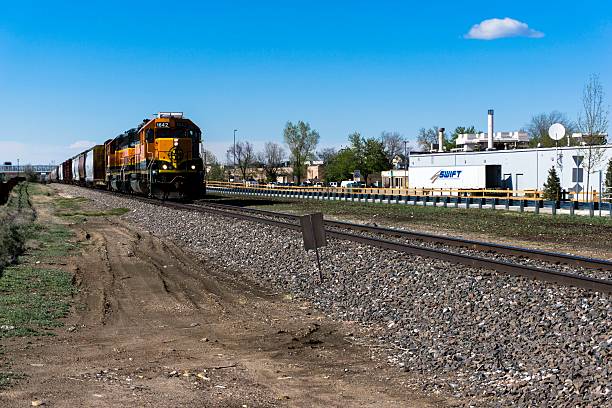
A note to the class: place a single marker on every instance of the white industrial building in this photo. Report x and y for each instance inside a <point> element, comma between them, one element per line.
<point>522,169</point>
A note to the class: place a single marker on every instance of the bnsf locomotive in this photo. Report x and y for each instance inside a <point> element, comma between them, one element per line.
<point>160,158</point>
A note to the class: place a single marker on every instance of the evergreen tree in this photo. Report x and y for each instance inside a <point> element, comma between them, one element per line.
<point>552,187</point>
<point>608,182</point>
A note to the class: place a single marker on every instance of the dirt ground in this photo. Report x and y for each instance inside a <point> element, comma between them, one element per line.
<point>151,326</point>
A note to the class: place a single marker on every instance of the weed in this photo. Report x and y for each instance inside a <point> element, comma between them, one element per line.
<point>7,379</point>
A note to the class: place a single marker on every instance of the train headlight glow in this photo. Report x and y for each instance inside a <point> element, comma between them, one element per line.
<point>164,167</point>
<point>193,167</point>
<point>176,143</point>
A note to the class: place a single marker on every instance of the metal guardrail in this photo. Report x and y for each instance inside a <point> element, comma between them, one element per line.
<point>470,198</point>
<point>421,192</point>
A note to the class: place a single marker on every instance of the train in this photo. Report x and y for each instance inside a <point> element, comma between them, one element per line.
<point>159,158</point>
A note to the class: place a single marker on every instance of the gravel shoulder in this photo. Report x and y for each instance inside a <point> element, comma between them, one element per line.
<point>154,325</point>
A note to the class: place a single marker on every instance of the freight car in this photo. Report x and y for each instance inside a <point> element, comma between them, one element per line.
<point>160,158</point>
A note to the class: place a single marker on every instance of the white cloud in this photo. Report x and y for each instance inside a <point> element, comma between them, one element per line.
<point>495,28</point>
<point>82,144</point>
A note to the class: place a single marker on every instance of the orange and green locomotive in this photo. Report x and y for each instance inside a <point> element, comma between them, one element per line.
<point>160,158</point>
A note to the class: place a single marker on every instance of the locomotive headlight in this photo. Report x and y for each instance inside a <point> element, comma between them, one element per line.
<point>193,167</point>
<point>176,143</point>
<point>165,167</point>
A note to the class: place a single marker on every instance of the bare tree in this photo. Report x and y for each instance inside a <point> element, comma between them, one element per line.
<point>272,158</point>
<point>245,157</point>
<point>393,143</point>
<point>327,154</point>
<point>426,137</point>
<point>593,123</point>
<point>538,126</point>
<point>302,142</point>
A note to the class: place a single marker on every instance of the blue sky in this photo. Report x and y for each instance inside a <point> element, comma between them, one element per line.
<point>78,72</point>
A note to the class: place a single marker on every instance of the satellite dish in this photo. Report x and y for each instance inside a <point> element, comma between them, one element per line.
<point>556,131</point>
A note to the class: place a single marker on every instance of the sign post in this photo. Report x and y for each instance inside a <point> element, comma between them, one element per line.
<point>313,232</point>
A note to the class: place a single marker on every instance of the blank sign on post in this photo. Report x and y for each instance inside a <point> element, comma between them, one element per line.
<point>313,231</point>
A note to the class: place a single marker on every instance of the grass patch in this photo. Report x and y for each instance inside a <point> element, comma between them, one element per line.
<point>73,203</point>
<point>94,213</point>
<point>71,207</point>
<point>8,379</point>
<point>32,299</point>
<point>47,242</point>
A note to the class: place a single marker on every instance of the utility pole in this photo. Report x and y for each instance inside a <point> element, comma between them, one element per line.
<point>406,164</point>
<point>18,172</point>
<point>234,168</point>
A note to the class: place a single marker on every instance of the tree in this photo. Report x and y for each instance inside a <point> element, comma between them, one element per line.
<point>593,123</point>
<point>245,157</point>
<point>302,142</point>
<point>272,159</point>
<point>327,154</point>
<point>368,155</point>
<point>552,187</point>
<point>214,170</point>
<point>341,166</point>
<point>609,177</point>
<point>393,144</point>
<point>426,137</point>
<point>452,142</point>
<point>537,128</point>
<point>375,158</point>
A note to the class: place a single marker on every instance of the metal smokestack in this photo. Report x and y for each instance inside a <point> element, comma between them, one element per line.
<point>441,140</point>
<point>490,130</point>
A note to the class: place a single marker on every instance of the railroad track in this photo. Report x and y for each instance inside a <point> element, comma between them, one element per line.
<point>547,256</point>
<point>340,230</point>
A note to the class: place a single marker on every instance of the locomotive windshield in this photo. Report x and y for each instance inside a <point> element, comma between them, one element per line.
<point>175,133</point>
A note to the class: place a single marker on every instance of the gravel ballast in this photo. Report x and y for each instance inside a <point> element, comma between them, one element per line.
<point>482,337</point>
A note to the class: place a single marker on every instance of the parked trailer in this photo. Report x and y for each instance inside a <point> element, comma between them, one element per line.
<point>455,177</point>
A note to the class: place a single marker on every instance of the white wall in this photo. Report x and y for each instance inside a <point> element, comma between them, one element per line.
<point>531,165</point>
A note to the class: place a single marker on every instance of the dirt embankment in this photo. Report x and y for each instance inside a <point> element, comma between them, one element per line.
<point>151,326</point>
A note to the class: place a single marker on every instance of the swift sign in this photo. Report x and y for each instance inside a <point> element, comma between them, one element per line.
<point>446,174</point>
<point>470,176</point>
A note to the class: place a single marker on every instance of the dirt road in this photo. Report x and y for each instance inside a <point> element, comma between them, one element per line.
<point>151,326</point>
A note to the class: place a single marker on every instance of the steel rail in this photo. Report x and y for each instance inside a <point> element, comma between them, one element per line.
<point>536,254</point>
<point>569,279</point>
